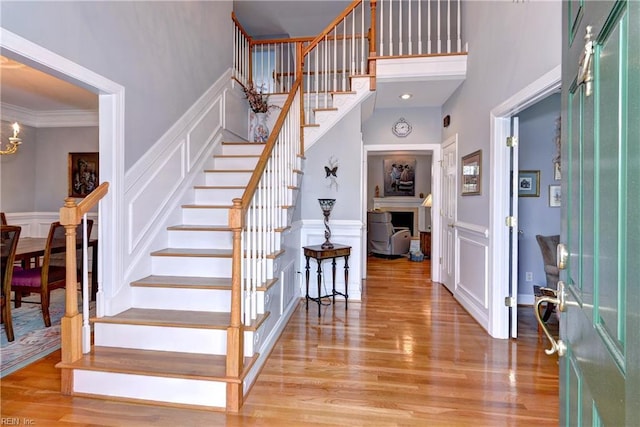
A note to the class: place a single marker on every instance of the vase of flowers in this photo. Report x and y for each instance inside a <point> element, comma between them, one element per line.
<point>259,104</point>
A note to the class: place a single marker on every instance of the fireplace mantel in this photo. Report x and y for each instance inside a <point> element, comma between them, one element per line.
<point>403,204</point>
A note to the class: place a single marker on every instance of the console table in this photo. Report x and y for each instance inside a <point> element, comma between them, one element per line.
<point>316,252</point>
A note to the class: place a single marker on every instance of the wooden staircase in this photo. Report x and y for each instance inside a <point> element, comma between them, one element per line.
<point>170,346</point>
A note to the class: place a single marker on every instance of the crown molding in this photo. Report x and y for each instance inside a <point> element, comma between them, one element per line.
<point>49,119</point>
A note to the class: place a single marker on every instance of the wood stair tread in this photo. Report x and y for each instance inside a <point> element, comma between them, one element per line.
<point>193,252</point>
<point>219,187</point>
<point>177,319</point>
<point>243,143</point>
<point>169,318</point>
<point>183,282</point>
<point>156,363</point>
<point>228,170</point>
<point>192,206</point>
<point>190,227</point>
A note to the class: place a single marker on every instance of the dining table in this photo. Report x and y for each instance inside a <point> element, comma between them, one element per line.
<point>30,249</point>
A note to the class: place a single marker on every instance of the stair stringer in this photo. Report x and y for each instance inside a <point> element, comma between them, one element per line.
<point>343,103</point>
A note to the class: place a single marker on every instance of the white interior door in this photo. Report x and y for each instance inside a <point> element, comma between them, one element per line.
<point>513,232</point>
<point>448,214</point>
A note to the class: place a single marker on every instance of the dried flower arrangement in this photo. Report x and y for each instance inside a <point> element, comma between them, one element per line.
<point>258,101</point>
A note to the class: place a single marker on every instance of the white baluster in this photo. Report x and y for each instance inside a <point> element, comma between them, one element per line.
<point>390,27</point>
<point>410,52</point>
<point>458,29</point>
<point>400,45</point>
<point>448,26</point>
<point>419,27</point>
<point>335,59</point>
<point>381,28</point>
<point>86,329</point>
<point>344,55</point>
<point>439,34</point>
<point>363,53</point>
<point>428,26</point>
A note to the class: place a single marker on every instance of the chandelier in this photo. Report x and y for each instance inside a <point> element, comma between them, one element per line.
<point>14,141</point>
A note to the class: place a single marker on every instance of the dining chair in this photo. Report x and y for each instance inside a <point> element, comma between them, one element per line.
<point>3,219</point>
<point>51,274</point>
<point>10,235</point>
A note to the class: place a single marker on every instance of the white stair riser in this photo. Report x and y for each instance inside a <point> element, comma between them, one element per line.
<point>205,216</point>
<point>240,163</point>
<point>200,239</point>
<point>161,338</point>
<point>217,196</point>
<point>191,266</point>
<point>242,149</point>
<point>227,178</point>
<point>182,299</point>
<point>150,388</point>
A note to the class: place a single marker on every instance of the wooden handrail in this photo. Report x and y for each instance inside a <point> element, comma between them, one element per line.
<point>331,26</point>
<point>271,142</point>
<point>304,39</point>
<point>234,18</point>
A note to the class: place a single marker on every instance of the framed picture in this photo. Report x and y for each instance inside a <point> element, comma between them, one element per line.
<point>529,184</point>
<point>555,196</point>
<point>83,174</point>
<point>399,176</point>
<point>471,173</point>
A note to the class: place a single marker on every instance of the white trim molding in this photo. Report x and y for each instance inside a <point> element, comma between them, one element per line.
<point>49,119</point>
<point>500,123</point>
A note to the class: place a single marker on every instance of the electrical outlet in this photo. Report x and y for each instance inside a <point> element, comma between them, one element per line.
<point>528,276</point>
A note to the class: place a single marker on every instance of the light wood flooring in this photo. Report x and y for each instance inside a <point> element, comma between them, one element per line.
<point>407,355</point>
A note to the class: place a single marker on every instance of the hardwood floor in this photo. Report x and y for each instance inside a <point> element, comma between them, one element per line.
<point>407,355</point>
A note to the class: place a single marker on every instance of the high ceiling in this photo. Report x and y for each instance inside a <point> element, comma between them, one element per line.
<point>26,88</point>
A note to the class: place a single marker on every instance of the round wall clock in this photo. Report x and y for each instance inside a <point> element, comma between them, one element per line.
<point>401,128</point>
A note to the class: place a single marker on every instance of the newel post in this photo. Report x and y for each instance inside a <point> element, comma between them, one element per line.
<point>235,333</point>
<point>71,323</point>
<point>372,46</point>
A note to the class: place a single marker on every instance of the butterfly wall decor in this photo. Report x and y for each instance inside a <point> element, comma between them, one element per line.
<point>331,172</point>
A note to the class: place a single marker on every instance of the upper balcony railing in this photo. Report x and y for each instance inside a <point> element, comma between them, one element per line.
<point>349,45</point>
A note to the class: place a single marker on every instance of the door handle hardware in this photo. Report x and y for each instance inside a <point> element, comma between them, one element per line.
<point>559,300</point>
<point>451,226</point>
<point>562,256</point>
<point>585,65</point>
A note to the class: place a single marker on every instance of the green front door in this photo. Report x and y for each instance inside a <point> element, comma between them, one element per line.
<point>600,324</point>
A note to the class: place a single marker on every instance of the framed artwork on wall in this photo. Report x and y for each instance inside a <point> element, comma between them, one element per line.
<point>555,196</point>
<point>529,184</point>
<point>472,174</point>
<point>399,176</point>
<point>83,174</point>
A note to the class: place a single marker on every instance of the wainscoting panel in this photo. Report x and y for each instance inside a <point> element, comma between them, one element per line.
<point>472,289</point>
<point>204,130</point>
<point>151,197</point>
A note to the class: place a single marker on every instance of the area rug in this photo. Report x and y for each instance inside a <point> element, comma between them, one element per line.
<point>32,340</point>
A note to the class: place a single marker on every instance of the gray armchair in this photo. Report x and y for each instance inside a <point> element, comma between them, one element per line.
<point>385,239</point>
<point>548,246</point>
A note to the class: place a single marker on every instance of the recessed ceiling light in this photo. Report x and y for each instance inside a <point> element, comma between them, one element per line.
<point>405,96</point>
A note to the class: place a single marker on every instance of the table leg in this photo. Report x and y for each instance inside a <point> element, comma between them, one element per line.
<point>333,274</point>
<point>319,281</point>
<point>346,282</point>
<point>307,275</point>
<point>94,273</point>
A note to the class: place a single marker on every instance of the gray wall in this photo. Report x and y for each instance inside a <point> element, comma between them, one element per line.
<point>35,179</point>
<point>344,141</point>
<point>537,149</point>
<point>165,54</point>
<point>375,173</point>
<point>510,46</point>
<point>17,171</point>
<point>425,123</point>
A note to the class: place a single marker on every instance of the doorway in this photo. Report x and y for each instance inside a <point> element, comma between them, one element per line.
<point>111,144</point>
<point>501,316</point>
<point>434,150</point>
